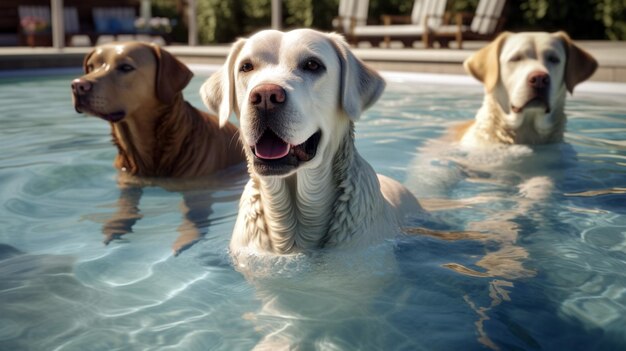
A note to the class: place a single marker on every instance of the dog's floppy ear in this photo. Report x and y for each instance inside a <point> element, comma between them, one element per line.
<point>484,64</point>
<point>218,92</point>
<point>580,64</point>
<point>360,85</point>
<point>172,75</point>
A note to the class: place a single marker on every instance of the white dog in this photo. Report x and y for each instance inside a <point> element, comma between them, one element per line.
<point>526,76</point>
<point>297,95</point>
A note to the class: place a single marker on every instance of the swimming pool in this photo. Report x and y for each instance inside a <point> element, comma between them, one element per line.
<point>499,273</point>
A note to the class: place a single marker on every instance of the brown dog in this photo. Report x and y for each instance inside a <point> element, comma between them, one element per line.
<point>137,88</point>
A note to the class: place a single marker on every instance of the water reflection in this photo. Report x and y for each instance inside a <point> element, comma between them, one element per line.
<point>198,197</point>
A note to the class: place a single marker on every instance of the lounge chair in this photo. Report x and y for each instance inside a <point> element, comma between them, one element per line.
<point>486,23</point>
<point>426,15</point>
<point>352,13</point>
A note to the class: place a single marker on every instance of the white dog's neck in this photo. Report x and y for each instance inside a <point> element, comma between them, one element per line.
<point>313,208</point>
<point>535,128</point>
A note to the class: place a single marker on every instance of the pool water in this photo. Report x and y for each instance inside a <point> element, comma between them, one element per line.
<point>524,248</point>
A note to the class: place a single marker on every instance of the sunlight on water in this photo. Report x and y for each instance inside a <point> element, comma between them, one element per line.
<point>524,248</point>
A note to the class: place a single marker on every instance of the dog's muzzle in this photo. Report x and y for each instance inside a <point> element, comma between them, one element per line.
<point>81,90</point>
<point>539,84</point>
<point>272,155</point>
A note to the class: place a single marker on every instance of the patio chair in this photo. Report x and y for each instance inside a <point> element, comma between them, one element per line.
<point>426,15</point>
<point>486,23</point>
<point>352,13</point>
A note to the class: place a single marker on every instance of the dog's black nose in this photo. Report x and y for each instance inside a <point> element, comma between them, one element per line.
<point>267,96</point>
<point>539,79</point>
<point>81,86</point>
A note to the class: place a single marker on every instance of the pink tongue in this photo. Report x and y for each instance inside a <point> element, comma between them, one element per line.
<point>271,147</point>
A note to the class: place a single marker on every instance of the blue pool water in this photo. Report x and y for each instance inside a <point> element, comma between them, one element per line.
<point>525,248</point>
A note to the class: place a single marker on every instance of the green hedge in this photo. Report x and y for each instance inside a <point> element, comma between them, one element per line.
<point>582,19</point>
<point>222,21</point>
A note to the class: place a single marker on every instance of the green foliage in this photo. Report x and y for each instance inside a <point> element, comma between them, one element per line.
<point>168,9</point>
<point>257,15</point>
<point>323,14</point>
<point>612,13</point>
<point>463,6</point>
<point>578,18</point>
<point>299,13</point>
<point>378,8</point>
<point>218,20</point>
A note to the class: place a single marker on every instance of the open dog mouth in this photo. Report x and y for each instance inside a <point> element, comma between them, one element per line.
<point>535,102</point>
<point>274,156</point>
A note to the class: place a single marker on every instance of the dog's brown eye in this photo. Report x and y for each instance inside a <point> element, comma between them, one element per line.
<point>125,68</point>
<point>554,59</point>
<point>312,65</point>
<point>515,58</point>
<point>88,68</point>
<point>246,67</point>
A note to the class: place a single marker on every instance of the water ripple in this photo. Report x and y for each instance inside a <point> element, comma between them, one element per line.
<point>65,290</point>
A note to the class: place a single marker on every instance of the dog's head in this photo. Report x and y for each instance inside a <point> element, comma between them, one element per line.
<point>529,73</point>
<point>122,78</point>
<point>295,94</point>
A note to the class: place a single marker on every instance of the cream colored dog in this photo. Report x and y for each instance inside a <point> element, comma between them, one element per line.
<point>526,77</point>
<point>297,95</point>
